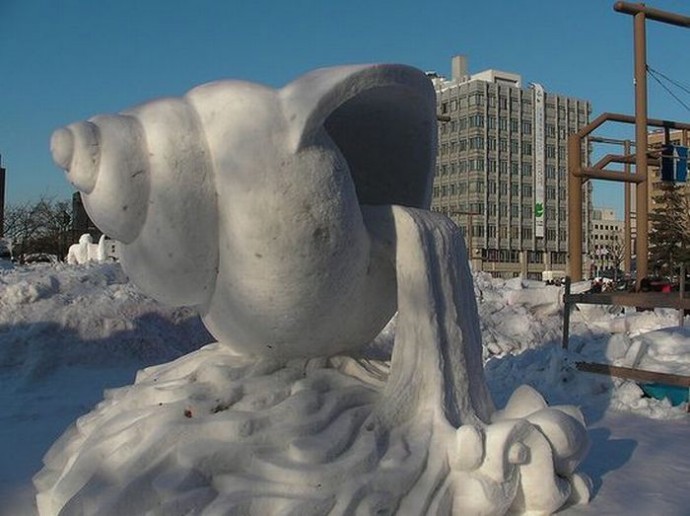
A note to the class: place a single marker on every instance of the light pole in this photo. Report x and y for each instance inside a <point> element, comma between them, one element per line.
<point>470,232</point>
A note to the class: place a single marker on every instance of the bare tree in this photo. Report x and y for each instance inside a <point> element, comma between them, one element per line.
<point>38,227</point>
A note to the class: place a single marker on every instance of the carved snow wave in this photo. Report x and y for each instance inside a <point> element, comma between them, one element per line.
<point>218,433</point>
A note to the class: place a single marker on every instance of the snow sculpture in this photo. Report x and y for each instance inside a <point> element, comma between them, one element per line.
<point>296,222</point>
<point>86,251</point>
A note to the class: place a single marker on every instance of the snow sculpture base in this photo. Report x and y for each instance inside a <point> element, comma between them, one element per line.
<point>219,433</point>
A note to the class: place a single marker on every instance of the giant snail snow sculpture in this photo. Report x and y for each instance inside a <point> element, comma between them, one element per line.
<point>297,222</point>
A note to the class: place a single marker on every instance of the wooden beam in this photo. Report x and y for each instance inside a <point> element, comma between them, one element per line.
<point>638,375</point>
<point>637,299</point>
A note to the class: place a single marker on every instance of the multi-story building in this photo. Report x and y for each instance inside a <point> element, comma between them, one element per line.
<point>608,241</point>
<point>656,141</point>
<point>502,169</point>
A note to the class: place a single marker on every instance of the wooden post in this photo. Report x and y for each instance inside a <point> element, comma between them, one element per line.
<point>566,313</point>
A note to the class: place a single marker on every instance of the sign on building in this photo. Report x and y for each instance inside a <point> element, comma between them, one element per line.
<point>539,174</point>
<point>674,163</point>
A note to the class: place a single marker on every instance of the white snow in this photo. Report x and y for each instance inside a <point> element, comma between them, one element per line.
<point>69,332</point>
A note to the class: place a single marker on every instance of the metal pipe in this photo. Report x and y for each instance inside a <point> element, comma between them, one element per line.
<point>652,13</point>
<point>641,144</point>
<point>574,207</point>
<point>627,236</point>
<point>608,175</point>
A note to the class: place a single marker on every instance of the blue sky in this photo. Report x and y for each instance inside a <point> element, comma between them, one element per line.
<point>67,60</point>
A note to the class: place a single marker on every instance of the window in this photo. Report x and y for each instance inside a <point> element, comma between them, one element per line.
<point>502,167</point>
<point>491,122</point>
<point>514,146</point>
<point>526,233</point>
<point>527,190</point>
<point>550,192</point>
<point>477,142</point>
<point>476,165</point>
<point>526,169</point>
<point>514,125</point>
<point>476,99</point>
<point>477,207</point>
<point>491,143</point>
<point>476,121</point>
<point>502,123</point>
<point>502,144</point>
<point>526,149</point>
<point>526,212</point>
<point>514,189</point>
<point>526,127</point>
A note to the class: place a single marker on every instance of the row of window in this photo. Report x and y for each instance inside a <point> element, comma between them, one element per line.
<point>513,256</point>
<point>613,237</point>
<point>478,165</point>
<point>502,101</point>
<point>479,186</point>
<point>606,227</point>
<point>501,144</point>
<point>515,210</point>
<point>501,123</point>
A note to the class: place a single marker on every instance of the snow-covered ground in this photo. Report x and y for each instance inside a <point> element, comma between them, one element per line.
<point>69,332</point>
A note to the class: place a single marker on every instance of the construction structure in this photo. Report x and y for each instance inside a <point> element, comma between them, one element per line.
<point>502,169</point>
<point>579,144</point>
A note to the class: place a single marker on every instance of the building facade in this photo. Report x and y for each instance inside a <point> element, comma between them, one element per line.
<point>501,171</point>
<point>608,242</point>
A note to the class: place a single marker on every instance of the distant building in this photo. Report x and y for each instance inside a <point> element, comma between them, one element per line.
<point>502,169</point>
<point>656,140</point>
<point>608,241</point>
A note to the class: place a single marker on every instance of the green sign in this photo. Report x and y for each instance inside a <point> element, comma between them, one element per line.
<point>539,210</point>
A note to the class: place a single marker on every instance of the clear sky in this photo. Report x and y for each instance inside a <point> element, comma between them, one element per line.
<point>66,60</point>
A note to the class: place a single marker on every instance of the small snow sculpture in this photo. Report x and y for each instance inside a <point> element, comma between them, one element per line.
<point>297,222</point>
<point>86,251</point>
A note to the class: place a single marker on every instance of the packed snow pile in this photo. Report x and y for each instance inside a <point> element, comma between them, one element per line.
<point>68,332</point>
